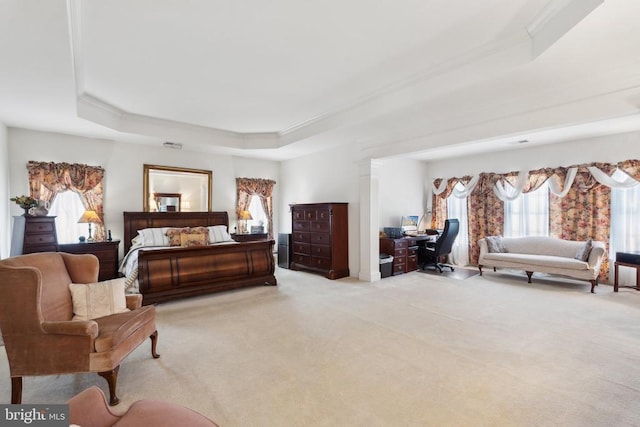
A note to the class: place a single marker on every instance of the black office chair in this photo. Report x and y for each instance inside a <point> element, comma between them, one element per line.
<point>429,255</point>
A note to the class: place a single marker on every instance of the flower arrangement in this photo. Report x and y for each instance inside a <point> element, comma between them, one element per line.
<point>25,202</point>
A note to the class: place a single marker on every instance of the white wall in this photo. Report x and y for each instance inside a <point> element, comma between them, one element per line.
<point>327,176</point>
<point>5,195</point>
<point>334,176</point>
<point>402,190</point>
<point>123,164</point>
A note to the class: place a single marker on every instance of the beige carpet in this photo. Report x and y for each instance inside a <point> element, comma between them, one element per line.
<point>410,350</point>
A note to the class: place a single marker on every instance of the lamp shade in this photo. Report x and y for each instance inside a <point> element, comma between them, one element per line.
<point>90,217</point>
<point>245,215</point>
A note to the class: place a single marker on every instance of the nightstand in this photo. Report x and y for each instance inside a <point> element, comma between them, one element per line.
<point>107,253</point>
<point>249,237</point>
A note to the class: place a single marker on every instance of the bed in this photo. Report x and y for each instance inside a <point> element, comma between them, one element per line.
<point>162,272</point>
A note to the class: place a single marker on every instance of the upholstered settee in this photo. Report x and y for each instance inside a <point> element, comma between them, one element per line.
<point>578,260</point>
<point>89,408</point>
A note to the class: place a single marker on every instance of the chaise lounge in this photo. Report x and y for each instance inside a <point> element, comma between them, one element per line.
<point>578,260</point>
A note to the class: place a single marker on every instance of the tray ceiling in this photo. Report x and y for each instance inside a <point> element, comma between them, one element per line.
<point>283,78</point>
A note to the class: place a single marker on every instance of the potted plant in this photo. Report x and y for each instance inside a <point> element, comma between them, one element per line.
<point>25,202</point>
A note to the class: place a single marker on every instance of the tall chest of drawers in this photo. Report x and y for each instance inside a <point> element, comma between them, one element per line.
<point>34,234</point>
<point>320,238</point>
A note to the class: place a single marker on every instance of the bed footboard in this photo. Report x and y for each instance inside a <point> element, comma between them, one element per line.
<point>168,274</point>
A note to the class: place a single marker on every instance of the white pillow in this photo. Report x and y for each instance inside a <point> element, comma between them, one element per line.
<point>154,236</point>
<point>218,233</point>
<point>93,300</point>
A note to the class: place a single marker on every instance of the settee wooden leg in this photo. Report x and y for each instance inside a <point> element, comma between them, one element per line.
<point>594,283</point>
<point>16,390</point>
<point>529,274</point>
<point>495,269</point>
<point>154,342</point>
<point>480,268</point>
<point>112,379</point>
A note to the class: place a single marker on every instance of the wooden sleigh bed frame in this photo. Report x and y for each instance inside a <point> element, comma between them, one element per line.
<point>172,273</point>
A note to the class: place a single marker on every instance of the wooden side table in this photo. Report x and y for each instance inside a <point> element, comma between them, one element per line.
<point>107,253</point>
<point>615,275</point>
<point>249,237</point>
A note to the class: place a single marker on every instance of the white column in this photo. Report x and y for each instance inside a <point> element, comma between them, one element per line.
<point>369,220</point>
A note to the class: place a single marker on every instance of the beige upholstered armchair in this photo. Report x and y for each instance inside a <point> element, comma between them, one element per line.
<point>40,337</point>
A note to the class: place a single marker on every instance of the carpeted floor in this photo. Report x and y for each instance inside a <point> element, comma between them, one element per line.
<point>411,350</point>
<point>457,273</point>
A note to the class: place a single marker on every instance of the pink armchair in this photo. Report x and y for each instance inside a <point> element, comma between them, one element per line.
<point>39,334</point>
<point>89,409</point>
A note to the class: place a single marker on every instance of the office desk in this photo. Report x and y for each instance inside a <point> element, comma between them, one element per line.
<point>404,251</point>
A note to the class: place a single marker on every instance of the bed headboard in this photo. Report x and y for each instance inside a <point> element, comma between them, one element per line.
<point>134,221</point>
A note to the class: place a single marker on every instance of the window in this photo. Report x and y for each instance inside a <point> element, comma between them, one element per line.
<point>528,214</point>
<point>457,208</point>
<point>625,218</point>
<point>258,214</point>
<point>67,207</point>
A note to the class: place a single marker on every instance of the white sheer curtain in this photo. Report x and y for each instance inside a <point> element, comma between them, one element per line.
<point>67,207</point>
<point>259,217</point>
<point>625,226</point>
<point>457,208</point>
<point>528,214</point>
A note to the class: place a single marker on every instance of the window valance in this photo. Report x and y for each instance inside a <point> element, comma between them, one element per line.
<point>508,186</point>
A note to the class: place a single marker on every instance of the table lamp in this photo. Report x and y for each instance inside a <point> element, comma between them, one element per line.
<point>243,218</point>
<point>89,217</point>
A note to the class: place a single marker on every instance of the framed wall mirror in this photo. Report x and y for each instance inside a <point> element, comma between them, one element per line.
<point>171,189</point>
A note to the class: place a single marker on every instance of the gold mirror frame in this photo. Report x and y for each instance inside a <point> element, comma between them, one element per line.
<point>150,169</point>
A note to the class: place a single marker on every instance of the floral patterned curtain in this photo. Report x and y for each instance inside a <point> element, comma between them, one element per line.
<point>439,205</point>
<point>47,179</point>
<point>263,188</point>
<point>486,213</point>
<point>585,212</point>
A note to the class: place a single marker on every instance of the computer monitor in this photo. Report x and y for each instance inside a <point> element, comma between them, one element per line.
<point>409,224</point>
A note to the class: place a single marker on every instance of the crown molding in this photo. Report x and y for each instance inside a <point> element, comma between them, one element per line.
<point>555,20</point>
<point>501,54</point>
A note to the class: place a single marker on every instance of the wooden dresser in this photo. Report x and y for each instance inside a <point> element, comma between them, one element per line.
<point>320,238</point>
<point>33,234</point>
<point>107,253</point>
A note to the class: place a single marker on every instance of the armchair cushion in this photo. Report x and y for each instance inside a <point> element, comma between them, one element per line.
<point>116,328</point>
<point>93,300</point>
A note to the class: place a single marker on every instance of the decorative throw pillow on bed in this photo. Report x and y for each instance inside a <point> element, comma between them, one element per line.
<point>218,233</point>
<point>584,251</point>
<point>495,244</point>
<point>174,235</point>
<point>93,300</point>
<point>193,239</point>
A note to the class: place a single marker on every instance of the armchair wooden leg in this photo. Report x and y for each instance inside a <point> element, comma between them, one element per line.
<point>529,274</point>
<point>154,342</point>
<point>594,283</point>
<point>112,379</point>
<point>16,390</point>
<point>480,268</point>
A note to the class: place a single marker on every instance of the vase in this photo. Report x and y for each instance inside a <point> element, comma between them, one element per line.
<point>26,211</point>
<point>42,209</point>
